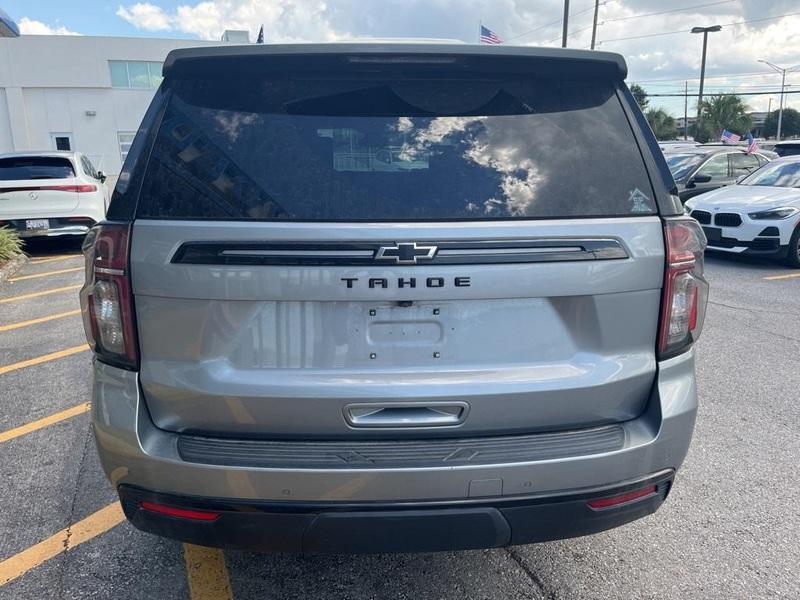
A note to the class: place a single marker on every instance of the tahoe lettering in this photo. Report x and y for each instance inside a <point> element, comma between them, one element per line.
<point>406,282</point>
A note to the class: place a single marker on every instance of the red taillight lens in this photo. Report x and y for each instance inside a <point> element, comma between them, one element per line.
<point>180,513</point>
<point>625,498</point>
<point>79,188</point>
<point>685,292</point>
<point>106,297</point>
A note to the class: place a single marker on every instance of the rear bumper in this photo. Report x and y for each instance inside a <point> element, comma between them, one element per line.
<point>58,227</point>
<point>771,250</point>
<point>137,455</point>
<point>384,527</point>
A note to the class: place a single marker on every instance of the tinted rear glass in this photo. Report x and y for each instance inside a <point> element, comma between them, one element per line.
<point>394,150</point>
<point>35,167</point>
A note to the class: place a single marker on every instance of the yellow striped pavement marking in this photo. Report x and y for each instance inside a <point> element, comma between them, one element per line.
<point>43,359</point>
<point>63,415</point>
<point>66,539</point>
<point>206,573</point>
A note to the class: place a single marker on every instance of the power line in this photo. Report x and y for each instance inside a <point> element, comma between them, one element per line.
<point>682,94</point>
<point>556,22</point>
<point>718,76</point>
<point>649,35</point>
<point>664,12</point>
<point>652,14</point>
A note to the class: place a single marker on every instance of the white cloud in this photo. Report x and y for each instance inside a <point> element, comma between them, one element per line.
<point>670,58</point>
<point>30,27</point>
<point>144,15</point>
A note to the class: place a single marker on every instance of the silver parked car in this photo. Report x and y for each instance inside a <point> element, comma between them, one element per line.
<point>349,299</point>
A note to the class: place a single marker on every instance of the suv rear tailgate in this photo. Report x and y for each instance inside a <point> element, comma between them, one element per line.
<point>285,350</point>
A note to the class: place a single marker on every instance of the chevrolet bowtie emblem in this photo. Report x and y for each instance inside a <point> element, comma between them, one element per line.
<point>406,253</point>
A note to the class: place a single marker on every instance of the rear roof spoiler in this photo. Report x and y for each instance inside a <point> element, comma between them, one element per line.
<point>382,57</point>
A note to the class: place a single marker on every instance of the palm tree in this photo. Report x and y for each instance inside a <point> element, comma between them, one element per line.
<point>662,124</point>
<point>723,112</point>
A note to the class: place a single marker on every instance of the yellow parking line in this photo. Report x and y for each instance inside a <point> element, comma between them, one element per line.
<point>44,422</point>
<point>52,317</point>
<point>47,274</point>
<point>74,535</point>
<point>42,293</point>
<point>206,573</point>
<point>43,359</point>
<point>47,259</point>
<point>779,277</point>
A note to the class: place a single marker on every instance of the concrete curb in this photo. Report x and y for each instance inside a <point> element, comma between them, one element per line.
<point>7,269</point>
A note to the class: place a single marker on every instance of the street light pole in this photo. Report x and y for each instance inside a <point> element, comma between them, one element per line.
<point>705,31</point>
<point>565,24</point>
<point>783,72</point>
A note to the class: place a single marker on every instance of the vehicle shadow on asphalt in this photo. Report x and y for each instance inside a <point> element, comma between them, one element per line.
<point>43,247</point>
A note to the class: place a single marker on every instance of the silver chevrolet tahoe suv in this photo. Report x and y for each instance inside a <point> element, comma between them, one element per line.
<point>392,297</point>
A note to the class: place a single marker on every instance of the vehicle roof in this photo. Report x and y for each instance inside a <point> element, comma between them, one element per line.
<point>702,150</point>
<point>786,159</point>
<point>437,52</point>
<point>788,143</point>
<point>55,153</point>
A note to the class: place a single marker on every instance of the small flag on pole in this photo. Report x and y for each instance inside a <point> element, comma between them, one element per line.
<point>260,39</point>
<point>729,137</point>
<point>752,144</point>
<point>489,37</point>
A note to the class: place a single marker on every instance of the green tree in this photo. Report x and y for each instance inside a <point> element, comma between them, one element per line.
<point>640,96</point>
<point>722,112</point>
<point>790,123</point>
<point>661,123</point>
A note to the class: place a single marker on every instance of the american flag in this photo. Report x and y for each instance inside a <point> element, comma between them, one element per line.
<point>489,37</point>
<point>729,137</point>
<point>752,144</point>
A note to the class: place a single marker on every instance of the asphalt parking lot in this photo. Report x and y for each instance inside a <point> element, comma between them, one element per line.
<point>729,529</point>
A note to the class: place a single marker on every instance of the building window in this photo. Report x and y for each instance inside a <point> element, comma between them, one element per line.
<point>61,141</point>
<point>136,74</point>
<point>125,140</point>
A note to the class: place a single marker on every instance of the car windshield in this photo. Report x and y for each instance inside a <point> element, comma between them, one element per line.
<point>35,167</point>
<point>776,175</point>
<point>680,165</point>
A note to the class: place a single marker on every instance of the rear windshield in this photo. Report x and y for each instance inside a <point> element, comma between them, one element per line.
<point>35,167</point>
<point>311,150</point>
<point>787,150</point>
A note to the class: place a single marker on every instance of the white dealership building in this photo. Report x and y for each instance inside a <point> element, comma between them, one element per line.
<point>80,92</point>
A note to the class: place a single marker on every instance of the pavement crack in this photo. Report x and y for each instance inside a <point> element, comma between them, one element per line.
<point>71,519</point>
<point>752,310</point>
<point>537,581</point>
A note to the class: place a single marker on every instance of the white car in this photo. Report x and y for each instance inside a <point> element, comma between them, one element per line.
<point>760,215</point>
<point>50,193</point>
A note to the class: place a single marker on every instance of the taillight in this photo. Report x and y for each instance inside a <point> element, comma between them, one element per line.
<point>79,188</point>
<point>685,294</point>
<point>106,297</point>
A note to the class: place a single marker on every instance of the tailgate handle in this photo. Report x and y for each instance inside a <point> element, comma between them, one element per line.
<point>406,414</point>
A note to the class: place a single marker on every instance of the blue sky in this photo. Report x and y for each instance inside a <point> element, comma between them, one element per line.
<point>660,51</point>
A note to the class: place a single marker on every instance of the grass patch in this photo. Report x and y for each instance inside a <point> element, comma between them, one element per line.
<point>10,244</point>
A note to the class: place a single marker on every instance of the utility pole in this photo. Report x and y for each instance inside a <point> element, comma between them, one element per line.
<point>685,110</point>
<point>783,72</point>
<point>705,31</point>
<point>594,22</point>
<point>565,24</point>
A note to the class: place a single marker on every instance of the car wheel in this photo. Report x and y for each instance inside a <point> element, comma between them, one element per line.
<point>793,256</point>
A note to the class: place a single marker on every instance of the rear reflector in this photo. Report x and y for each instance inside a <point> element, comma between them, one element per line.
<point>180,513</point>
<point>641,494</point>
